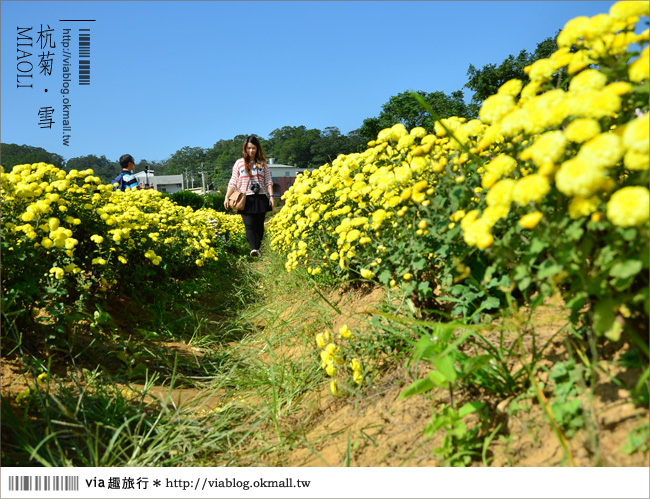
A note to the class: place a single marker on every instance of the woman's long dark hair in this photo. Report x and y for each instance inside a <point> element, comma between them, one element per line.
<point>259,155</point>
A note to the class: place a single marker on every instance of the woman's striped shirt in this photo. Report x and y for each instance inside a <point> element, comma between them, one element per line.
<point>241,181</point>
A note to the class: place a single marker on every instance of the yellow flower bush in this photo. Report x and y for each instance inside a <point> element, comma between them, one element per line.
<point>551,180</point>
<point>65,235</point>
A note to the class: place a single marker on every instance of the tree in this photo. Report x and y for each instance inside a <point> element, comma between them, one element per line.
<point>102,167</point>
<point>13,154</point>
<point>187,161</point>
<point>292,145</point>
<point>486,81</point>
<point>328,146</point>
<point>220,158</point>
<point>355,142</point>
<point>404,108</point>
<point>331,142</point>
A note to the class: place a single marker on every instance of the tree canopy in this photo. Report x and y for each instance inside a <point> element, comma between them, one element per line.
<point>104,168</point>
<point>404,108</point>
<point>487,80</point>
<point>13,154</point>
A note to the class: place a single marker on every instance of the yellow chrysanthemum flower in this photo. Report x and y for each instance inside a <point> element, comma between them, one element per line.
<point>511,87</point>
<point>469,219</point>
<point>496,107</point>
<point>500,194</point>
<point>497,168</point>
<point>582,130</point>
<point>542,69</point>
<point>639,69</point>
<point>476,231</point>
<point>581,207</point>
<point>623,10</point>
<point>531,220</point>
<point>629,206</point>
<point>637,134</point>
<point>573,30</point>
<point>578,178</point>
<point>530,189</point>
<point>595,104</point>
<point>492,214</point>
<point>603,151</point>
<point>589,79</point>
<point>634,160</point>
<point>549,147</point>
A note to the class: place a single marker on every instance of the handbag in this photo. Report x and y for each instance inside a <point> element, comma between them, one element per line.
<point>237,200</point>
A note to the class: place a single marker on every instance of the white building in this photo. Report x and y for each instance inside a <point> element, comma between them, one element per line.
<point>162,183</point>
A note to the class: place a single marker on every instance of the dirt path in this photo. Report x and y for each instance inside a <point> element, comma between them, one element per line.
<point>373,427</point>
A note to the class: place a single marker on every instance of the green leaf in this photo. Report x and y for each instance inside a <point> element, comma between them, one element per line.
<point>548,269</point>
<point>578,301</point>
<point>490,302</point>
<point>605,255</point>
<point>419,264</point>
<point>622,284</point>
<point>446,366</point>
<point>418,386</point>
<point>429,430</point>
<point>625,269</point>
<point>471,364</point>
<point>439,379</point>
<point>384,276</point>
<point>493,283</point>
<point>458,429</point>
<point>536,246</point>
<point>470,407</point>
<point>604,317</point>
<point>575,231</point>
<point>122,357</point>
<point>614,333</point>
<point>426,347</point>
<point>524,283</point>
<point>629,234</point>
<point>645,256</point>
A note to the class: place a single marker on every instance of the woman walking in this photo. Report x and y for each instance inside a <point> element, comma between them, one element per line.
<point>251,176</point>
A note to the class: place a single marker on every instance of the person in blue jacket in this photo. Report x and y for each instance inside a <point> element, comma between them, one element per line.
<point>126,179</point>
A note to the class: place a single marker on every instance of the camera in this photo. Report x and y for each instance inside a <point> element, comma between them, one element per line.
<point>255,187</point>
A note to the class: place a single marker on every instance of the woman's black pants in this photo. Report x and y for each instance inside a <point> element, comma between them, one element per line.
<point>254,224</point>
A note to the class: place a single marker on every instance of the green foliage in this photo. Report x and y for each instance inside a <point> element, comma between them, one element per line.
<point>637,440</point>
<point>185,159</point>
<point>187,198</point>
<point>487,80</point>
<point>331,143</point>
<point>214,201</point>
<point>567,405</point>
<point>292,145</point>
<point>13,154</point>
<point>404,108</point>
<point>102,167</point>
<point>451,370</point>
<point>460,445</point>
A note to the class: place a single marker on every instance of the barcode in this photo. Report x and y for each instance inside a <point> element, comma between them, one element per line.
<point>43,483</point>
<point>84,56</point>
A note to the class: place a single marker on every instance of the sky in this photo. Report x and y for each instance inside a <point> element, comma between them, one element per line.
<point>170,74</point>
